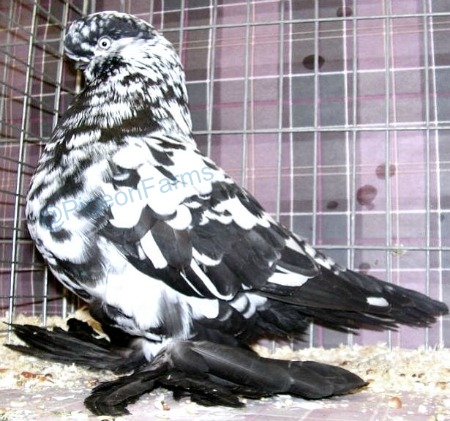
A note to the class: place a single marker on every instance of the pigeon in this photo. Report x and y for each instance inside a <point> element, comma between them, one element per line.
<point>181,266</point>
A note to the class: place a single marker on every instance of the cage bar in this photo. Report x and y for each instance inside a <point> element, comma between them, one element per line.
<point>306,103</point>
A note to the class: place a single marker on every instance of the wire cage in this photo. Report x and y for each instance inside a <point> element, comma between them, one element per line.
<point>333,113</point>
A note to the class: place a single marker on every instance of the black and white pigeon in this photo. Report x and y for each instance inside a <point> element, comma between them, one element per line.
<point>182,267</point>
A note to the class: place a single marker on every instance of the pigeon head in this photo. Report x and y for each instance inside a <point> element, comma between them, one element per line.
<point>102,32</point>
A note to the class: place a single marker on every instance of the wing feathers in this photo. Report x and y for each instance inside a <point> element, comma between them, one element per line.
<point>175,245</point>
<point>206,237</point>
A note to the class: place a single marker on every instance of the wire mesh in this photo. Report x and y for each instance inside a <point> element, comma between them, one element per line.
<point>334,113</point>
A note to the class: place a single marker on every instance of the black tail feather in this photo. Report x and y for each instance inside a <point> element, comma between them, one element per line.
<point>79,346</point>
<point>347,300</point>
<point>406,306</point>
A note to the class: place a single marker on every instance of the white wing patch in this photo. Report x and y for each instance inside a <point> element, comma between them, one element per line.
<point>152,251</point>
<point>377,301</point>
<point>240,214</point>
<point>293,245</point>
<point>207,282</point>
<point>202,307</point>
<point>248,303</point>
<point>161,194</point>
<point>288,279</point>
<point>206,260</point>
<point>182,220</point>
<point>326,263</point>
<point>208,216</point>
<point>126,206</point>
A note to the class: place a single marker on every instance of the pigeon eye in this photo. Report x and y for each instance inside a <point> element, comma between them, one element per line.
<point>104,43</point>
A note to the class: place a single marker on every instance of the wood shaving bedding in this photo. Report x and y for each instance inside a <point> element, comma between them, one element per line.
<point>391,373</point>
<point>397,369</point>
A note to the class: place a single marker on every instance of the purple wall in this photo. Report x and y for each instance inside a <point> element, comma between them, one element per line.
<point>352,155</point>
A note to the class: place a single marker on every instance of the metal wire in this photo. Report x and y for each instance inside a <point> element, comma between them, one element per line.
<point>25,111</point>
<point>19,136</point>
<point>434,96</point>
<point>426,47</point>
<point>36,87</point>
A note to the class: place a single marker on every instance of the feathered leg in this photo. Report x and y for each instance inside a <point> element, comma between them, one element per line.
<point>209,373</point>
<point>213,374</point>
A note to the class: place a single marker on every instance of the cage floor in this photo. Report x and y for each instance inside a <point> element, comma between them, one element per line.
<point>66,404</point>
<point>408,385</point>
